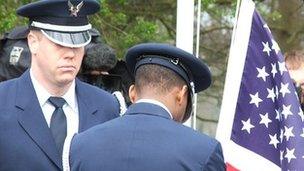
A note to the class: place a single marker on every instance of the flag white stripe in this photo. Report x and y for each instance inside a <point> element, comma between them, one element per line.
<point>246,160</point>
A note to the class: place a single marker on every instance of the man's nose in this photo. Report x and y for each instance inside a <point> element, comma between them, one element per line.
<point>70,52</point>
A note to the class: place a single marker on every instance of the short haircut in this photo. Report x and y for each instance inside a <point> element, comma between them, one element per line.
<point>157,78</point>
<point>294,59</point>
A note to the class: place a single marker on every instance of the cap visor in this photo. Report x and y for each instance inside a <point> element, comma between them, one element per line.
<point>73,40</point>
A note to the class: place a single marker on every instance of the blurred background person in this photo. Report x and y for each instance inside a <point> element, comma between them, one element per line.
<point>15,56</point>
<point>102,68</point>
<point>98,60</point>
<point>295,64</point>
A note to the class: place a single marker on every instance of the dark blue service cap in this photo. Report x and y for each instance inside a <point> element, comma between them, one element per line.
<point>186,65</point>
<point>64,22</point>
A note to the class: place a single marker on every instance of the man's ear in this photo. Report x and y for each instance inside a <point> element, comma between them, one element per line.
<point>33,42</point>
<point>132,93</point>
<point>182,95</point>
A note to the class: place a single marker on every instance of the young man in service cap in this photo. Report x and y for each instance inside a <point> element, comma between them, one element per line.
<point>40,109</point>
<point>150,135</point>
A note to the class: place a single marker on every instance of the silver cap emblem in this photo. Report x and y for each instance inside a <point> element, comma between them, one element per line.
<point>74,10</point>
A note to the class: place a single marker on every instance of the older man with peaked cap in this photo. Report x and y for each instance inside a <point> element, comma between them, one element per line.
<point>150,135</point>
<point>40,110</point>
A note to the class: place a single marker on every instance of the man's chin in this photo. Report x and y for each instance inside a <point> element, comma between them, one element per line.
<point>66,80</point>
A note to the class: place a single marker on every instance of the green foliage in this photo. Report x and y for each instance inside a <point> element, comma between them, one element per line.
<point>8,16</point>
<point>206,3</point>
<point>7,20</point>
<point>122,25</point>
<point>220,10</point>
<point>267,13</point>
<point>275,15</point>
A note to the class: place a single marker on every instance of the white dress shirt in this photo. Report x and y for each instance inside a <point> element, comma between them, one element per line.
<point>70,108</point>
<point>156,103</point>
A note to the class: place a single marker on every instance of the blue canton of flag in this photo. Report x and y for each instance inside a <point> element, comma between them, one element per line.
<point>268,118</point>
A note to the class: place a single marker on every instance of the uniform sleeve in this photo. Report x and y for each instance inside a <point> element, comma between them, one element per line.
<point>74,158</point>
<point>216,160</point>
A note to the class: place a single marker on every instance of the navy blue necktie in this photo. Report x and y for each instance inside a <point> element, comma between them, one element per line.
<point>58,124</point>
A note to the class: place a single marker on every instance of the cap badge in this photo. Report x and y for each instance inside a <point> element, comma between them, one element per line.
<point>74,10</point>
<point>175,61</point>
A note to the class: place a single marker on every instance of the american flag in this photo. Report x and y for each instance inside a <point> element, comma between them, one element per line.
<point>267,119</point>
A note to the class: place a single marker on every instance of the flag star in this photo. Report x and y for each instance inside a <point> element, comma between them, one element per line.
<point>288,132</point>
<point>266,48</point>
<point>284,89</point>
<point>265,120</point>
<point>278,115</point>
<point>286,111</point>
<point>273,140</point>
<point>255,99</point>
<point>302,135</point>
<point>271,95</point>
<point>301,114</point>
<point>282,67</point>
<point>275,46</point>
<point>274,69</point>
<point>262,73</point>
<point>290,154</point>
<point>247,125</point>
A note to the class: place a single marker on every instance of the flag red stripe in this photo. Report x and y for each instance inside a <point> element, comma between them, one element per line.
<point>229,167</point>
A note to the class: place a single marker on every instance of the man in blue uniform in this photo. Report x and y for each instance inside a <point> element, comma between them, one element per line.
<point>150,135</point>
<point>43,108</point>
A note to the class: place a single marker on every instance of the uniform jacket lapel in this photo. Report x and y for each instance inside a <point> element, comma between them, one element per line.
<point>86,107</point>
<point>31,118</point>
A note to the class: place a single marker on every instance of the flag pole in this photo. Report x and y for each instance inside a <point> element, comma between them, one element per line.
<point>198,27</point>
<point>236,16</point>
<point>184,33</point>
<point>233,70</point>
